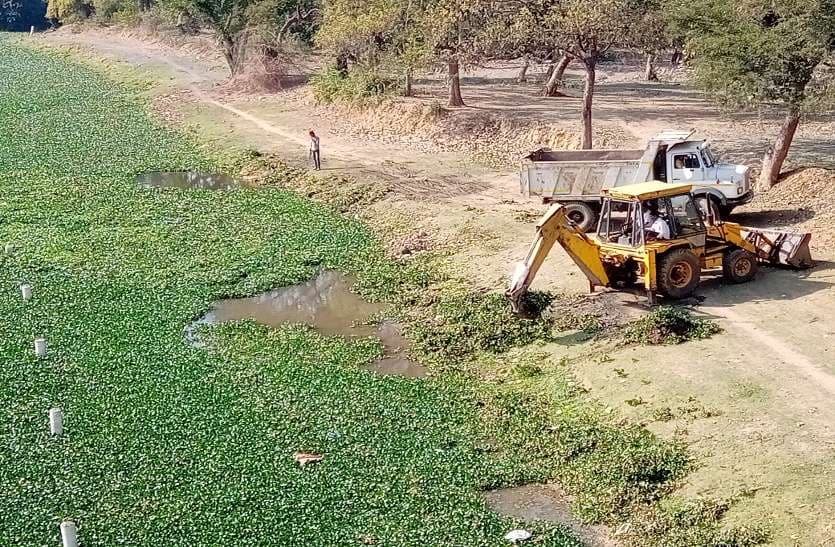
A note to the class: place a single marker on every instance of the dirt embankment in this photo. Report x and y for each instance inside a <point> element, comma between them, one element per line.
<point>803,200</point>
<point>488,137</point>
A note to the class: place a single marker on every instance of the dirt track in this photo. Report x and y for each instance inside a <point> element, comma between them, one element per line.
<point>770,378</point>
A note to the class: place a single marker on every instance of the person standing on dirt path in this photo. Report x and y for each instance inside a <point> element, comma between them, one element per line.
<point>314,151</point>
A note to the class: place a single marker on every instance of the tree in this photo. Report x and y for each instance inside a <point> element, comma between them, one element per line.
<point>587,29</point>
<point>230,21</point>
<point>757,53</point>
<point>454,35</point>
<point>650,35</point>
<point>374,33</point>
<point>275,21</point>
<point>60,10</point>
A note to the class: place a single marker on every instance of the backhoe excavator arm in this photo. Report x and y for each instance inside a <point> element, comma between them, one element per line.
<point>555,227</point>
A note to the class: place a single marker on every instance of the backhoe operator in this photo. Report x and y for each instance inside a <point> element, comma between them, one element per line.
<point>654,224</point>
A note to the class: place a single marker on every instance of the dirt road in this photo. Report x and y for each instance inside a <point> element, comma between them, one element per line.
<point>762,391</point>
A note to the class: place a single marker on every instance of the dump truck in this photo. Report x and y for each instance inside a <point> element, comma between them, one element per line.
<point>659,237</point>
<point>575,178</point>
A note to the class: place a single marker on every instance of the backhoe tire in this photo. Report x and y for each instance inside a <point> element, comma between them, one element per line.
<point>739,266</point>
<point>679,273</point>
<point>582,214</point>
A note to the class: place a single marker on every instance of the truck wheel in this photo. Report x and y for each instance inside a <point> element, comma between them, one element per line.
<point>679,273</point>
<point>581,214</point>
<point>725,211</point>
<point>739,266</point>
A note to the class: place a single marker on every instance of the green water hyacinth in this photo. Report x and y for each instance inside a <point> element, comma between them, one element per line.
<point>166,444</point>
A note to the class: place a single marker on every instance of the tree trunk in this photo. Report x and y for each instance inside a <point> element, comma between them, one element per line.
<point>675,60</point>
<point>522,77</point>
<point>588,97</point>
<point>555,80</point>
<point>454,76</point>
<point>407,91</point>
<point>342,64</point>
<point>234,51</point>
<point>650,74</point>
<point>776,154</point>
<point>552,63</point>
<point>229,53</point>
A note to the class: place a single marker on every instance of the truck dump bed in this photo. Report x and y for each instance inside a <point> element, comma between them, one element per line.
<point>577,174</point>
<point>544,154</point>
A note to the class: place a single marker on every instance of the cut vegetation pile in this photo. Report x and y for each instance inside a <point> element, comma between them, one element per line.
<point>669,325</point>
<point>167,444</point>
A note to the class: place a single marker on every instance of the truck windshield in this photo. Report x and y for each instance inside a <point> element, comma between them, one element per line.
<point>707,157</point>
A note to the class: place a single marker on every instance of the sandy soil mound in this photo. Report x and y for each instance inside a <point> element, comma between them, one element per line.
<point>803,200</point>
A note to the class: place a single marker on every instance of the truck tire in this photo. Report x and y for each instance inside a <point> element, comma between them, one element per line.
<point>679,273</point>
<point>724,210</point>
<point>582,214</point>
<point>739,266</point>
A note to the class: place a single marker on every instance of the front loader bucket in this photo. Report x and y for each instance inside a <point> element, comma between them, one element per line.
<point>788,248</point>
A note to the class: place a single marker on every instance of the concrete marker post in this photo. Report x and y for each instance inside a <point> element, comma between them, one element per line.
<point>40,347</point>
<point>32,30</point>
<point>9,248</point>
<point>26,291</point>
<point>56,421</point>
<point>69,534</point>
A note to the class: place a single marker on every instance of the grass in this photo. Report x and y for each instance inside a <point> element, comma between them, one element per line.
<point>168,444</point>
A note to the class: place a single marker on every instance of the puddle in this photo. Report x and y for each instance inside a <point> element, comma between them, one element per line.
<point>327,304</point>
<point>395,361</point>
<point>187,180</point>
<point>545,502</point>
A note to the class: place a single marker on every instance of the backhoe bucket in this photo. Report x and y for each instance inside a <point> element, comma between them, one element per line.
<point>788,248</point>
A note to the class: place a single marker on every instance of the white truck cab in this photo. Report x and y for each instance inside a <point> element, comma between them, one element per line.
<point>575,178</point>
<point>677,159</point>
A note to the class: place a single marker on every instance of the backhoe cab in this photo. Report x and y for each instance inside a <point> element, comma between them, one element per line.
<point>660,236</point>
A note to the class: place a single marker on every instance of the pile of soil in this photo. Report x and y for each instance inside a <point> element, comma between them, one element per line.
<point>803,200</point>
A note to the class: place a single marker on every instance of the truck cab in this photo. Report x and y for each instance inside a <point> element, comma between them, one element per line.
<point>679,160</point>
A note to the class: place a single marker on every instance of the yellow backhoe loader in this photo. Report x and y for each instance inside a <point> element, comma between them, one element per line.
<point>658,234</point>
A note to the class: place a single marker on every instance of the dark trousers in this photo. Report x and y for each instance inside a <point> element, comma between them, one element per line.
<point>317,162</point>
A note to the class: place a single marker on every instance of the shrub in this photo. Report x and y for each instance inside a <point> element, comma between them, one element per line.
<point>360,84</point>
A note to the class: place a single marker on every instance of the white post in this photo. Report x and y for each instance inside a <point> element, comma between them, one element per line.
<point>69,534</point>
<point>40,347</point>
<point>26,291</point>
<point>9,248</point>
<point>32,30</point>
<point>56,421</point>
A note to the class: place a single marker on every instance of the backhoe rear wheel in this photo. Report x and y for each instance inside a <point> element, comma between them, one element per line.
<point>582,214</point>
<point>679,273</point>
<point>739,266</point>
